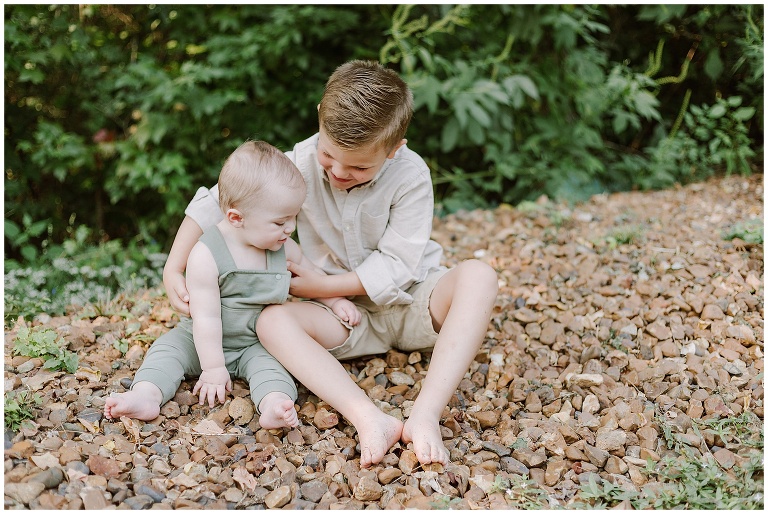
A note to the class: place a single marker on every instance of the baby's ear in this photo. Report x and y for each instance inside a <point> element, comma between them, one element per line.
<point>234,217</point>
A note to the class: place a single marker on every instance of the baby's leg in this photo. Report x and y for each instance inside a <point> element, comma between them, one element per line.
<point>298,335</point>
<point>141,402</point>
<point>277,411</point>
<point>461,305</point>
<point>273,389</point>
<point>169,358</point>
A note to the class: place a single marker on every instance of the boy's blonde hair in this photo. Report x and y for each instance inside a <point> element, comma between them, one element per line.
<point>249,173</point>
<point>365,103</point>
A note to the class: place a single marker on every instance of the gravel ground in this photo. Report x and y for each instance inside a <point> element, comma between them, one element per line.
<point>623,325</point>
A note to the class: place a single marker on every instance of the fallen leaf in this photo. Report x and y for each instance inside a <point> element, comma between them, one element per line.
<point>245,479</point>
<point>208,427</point>
<point>89,374</point>
<point>133,428</point>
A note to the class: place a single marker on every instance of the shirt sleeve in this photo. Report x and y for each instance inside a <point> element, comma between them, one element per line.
<point>204,208</point>
<point>398,261</point>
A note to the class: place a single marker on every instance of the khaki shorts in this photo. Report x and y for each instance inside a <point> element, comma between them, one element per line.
<point>402,327</point>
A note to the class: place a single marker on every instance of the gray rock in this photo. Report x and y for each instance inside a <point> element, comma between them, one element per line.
<point>139,502</point>
<point>144,489</point>
<point>50,478</point>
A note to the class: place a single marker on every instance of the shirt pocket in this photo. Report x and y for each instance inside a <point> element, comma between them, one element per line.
<point>372,229</point>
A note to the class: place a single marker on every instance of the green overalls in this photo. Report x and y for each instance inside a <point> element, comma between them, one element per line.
<point>244,294</point>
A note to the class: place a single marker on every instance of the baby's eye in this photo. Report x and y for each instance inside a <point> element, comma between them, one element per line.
<point>280,224</point>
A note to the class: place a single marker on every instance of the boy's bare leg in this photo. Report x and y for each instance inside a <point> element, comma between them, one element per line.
<point>141,402</point>
<point>461,306</point>
<point>277,411</point>
<point>298,335</point>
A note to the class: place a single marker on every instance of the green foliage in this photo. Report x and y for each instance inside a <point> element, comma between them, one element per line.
<point>524,492</point>
<point>19,406</point>
<point>693,481</point>
<point>750,232</point>
<point>47,345</point>
<point>77,273</point>
<point>115,114</point>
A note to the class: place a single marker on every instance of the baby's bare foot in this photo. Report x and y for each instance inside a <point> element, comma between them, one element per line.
<point>277,411</point>
<point>427,441</point>
<point>133,404</point>
<point>378,432</point>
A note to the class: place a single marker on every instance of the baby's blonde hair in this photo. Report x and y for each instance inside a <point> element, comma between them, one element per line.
<point>364,104</point>
<point>251,170</point>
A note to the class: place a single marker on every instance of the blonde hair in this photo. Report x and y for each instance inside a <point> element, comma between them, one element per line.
<point>365,103</point>
<point>249,172</point>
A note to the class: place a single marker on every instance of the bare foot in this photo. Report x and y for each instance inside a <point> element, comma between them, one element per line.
<point>277,411</point>
<point>133,404</point>
<point>427,440</point>
<point>378,432</point>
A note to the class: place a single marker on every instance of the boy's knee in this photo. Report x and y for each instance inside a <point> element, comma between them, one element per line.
<point>479,275</point>
<point>271,318</point>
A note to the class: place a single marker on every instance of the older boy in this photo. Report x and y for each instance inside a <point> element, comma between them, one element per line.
<point>366,222</point>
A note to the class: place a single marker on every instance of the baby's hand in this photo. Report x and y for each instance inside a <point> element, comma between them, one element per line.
<point>214,382</point>
<point>347,311</point>
<point>176,288</point>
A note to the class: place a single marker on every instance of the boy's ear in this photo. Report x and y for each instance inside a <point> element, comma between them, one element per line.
<point>396,148</point>
<point>234,217</point>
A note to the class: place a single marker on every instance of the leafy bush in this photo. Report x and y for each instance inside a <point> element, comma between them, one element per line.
<point>77,273</point>
<point>115,114</point>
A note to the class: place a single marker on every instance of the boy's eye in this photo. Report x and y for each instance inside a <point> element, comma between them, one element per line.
<point>280,223</point>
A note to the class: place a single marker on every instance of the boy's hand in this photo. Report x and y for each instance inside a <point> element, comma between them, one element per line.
<point>347,311</point>
<point>213,383</point>
<point>305,283</point>
<point>176,288</point>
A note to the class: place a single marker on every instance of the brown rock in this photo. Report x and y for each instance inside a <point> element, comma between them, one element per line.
<point>324,419</point>
<point>487,419</point>
<point>408,462</point>
<point>368,489</point>
<point>241,410</point>
<point>712,311</point>
<point>279,497</point>
<point>103,466</point>
<point>387,475</point>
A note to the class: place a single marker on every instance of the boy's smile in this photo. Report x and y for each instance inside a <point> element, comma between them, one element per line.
<point>346,169</point>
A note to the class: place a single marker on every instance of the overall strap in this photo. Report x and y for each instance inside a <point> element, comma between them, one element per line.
<point>276,260</point>
<point>214,240</point>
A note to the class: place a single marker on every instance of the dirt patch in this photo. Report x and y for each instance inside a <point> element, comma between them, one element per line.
<point>620,326</point>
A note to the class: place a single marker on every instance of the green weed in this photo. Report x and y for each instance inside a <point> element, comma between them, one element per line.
<point>751,232</point>
<point>524,492</point>
<point>691,480</point>
<point>46,345</point>
<point>18,406</point>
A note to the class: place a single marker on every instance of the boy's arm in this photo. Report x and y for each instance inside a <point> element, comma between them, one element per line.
<point>203,211</point>
<point>205,308</point>
<point>311,281</point>
<point>343,308</point>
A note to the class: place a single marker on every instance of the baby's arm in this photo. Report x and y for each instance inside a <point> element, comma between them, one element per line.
<point>342,307</point>
<point>205,308</point>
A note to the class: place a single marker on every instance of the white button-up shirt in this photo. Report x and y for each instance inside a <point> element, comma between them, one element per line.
<point>381,229</point>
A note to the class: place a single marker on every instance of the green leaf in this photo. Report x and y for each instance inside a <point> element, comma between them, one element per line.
<point>717,111</point>
<point>713,66</point>
<point>744,113</point>
<point>450,135</point>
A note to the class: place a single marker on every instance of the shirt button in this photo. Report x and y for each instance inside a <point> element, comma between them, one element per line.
<point>346,227</point>
<point>278,277</point>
